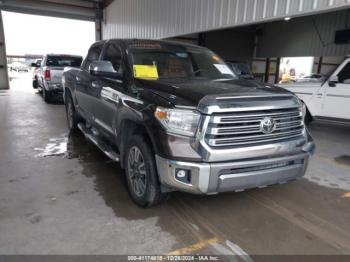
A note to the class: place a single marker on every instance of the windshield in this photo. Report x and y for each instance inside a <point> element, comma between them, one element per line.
<point>157,61</point>
<point>74,61</point>
<point>241,68</point>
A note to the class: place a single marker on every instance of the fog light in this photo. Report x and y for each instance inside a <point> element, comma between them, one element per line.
<point>183,175</point>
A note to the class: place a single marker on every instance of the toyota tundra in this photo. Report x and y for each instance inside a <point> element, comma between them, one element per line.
<point>177,118</point>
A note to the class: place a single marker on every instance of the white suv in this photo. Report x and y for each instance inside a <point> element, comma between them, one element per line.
<point>328,100</point>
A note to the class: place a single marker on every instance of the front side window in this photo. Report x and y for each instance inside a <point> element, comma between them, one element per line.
<point>113,54</point>
<point>177,61</point>
<point>93,55</point>
<point>344,74</point>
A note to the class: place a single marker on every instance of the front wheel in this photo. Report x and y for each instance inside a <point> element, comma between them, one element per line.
<point>72,118</point>
<point>141,174</point>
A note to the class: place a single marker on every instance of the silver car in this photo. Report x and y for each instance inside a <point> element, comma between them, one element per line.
<point>47,76</point>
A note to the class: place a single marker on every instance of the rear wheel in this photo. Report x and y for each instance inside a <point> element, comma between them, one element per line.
<point>72,118</point>
<point>47,95</point>
<point>141,174</point>
<point>35,84</point>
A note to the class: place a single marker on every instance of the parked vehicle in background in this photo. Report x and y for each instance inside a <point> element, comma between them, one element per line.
<point>18,67</point>
<point>312,78</point>
<point>177,118</point>
<point>38,62</point>
<point>241,69</point>
<point>328,100</point>
<point>48,75</point>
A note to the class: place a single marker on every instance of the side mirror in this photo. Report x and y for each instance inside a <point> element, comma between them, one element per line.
<point>333,80</point>
<point>104,69</point>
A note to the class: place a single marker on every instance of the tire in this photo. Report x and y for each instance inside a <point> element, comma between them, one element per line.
<point>72,117</point>
<point>143,183</point>
<point>47,96</point>
<point>35,84</point>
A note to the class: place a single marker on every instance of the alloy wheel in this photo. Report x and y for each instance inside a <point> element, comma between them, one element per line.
<point>70,113</point>
<point>137,171</point>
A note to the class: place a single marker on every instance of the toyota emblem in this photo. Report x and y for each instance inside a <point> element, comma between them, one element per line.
<point>267,125</point>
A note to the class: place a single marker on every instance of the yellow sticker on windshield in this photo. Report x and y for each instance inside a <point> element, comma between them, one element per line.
<point>146,72</point>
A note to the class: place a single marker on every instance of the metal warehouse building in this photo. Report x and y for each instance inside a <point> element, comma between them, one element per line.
<point>249,30</point>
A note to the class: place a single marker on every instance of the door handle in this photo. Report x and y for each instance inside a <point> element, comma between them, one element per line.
<point>319,95</point>
<point>77,78</point>
<point>95,84</point>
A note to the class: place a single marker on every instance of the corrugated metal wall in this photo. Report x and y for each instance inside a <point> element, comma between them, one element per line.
<point>304,36</point>
<point>233,45</point>
<point>168,18</point>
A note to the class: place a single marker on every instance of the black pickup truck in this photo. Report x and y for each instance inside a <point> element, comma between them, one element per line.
<point>177,118</point>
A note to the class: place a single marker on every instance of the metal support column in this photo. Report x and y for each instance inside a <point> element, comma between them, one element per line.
<point>277,73</point>
<point>319,66</point>
<point>4,83</point>
<point>267,70</point>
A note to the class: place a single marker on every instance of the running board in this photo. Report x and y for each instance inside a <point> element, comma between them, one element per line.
<point>104,147</point>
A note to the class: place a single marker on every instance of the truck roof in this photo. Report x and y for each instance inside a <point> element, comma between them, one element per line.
<point>63,55</point>
<point>128,42</point>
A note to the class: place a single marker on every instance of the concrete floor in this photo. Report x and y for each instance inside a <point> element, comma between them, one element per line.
<point>61,195</point>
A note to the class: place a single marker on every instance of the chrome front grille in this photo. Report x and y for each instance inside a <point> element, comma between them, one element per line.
<point>243,128</point>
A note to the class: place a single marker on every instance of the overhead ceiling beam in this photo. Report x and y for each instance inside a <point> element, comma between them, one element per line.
<point>75,9</point>
<point>105,3</point>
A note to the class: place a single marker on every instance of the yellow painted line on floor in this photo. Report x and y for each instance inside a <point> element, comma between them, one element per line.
<point>346,195</point>
<point>195,247</point>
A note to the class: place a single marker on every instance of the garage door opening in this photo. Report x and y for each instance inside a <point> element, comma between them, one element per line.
<point>295,68</point>
<point>30,37</point>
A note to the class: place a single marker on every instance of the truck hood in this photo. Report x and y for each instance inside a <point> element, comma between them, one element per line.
<point>291,86</point>
<point>193,93</point>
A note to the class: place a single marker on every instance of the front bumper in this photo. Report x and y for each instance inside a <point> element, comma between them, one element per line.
<point>212,178</point>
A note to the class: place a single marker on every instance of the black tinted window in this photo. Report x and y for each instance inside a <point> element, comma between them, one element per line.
<point>94,54</point>
<point>114,55</point>
<point>63,61</point>
<point>344,74</point>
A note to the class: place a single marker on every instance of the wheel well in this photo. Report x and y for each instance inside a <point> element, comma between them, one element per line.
<point>131,128</point>
<point>307,109</point>
<point>67,91</point>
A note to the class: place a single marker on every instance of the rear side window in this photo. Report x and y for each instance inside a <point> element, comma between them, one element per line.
<point>93,55</point>
<point>63,61</point>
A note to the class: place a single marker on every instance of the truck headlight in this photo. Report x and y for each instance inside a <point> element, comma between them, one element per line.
<point>178,121</point>
<point>303,110</point>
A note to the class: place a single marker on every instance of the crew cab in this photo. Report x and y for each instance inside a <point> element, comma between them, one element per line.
<point>177,118</point>
<point>326,100</point>
<point>48,74</point>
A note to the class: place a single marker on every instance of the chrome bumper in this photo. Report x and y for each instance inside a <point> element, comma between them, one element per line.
<point>212,178</point>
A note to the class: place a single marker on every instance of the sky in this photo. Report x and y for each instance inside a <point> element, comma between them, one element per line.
<point>33,34</point>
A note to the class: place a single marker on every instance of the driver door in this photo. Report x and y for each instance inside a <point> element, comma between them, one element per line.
<point>85,83</point>
<point>108,90</point>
